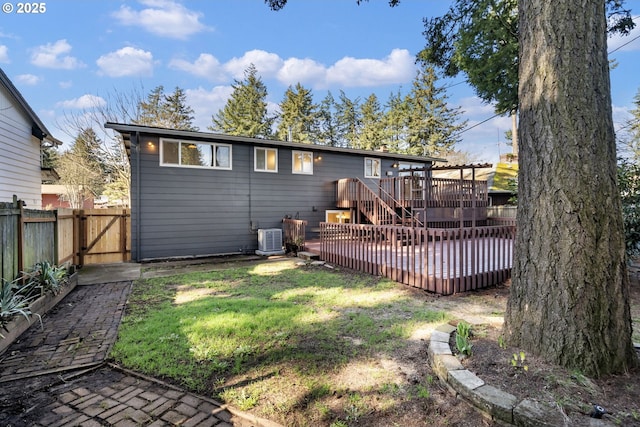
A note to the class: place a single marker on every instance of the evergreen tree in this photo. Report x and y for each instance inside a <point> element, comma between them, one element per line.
<point>480,39</point>
<point>631,138</point>
<point>372,133</point>
<point>395,122</point>
<point>166,111</point>
<point>245,112</point>
<point>432,126</point>
<point>327,122</point>
<point>298,116</point>
<point>81,169</point>
<point>348,120</point>
<point>151,110</point>
<point>569,296</point>
<point>49,157</point>
<point>178,115</point>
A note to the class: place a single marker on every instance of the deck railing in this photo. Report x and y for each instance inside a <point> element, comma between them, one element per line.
<point>420,192</point>
<point>294,232</point>
<point>353,193</point>
<point>444,261</point>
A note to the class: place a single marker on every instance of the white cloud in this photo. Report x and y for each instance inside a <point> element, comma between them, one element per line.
<point>206,66</point>
<point>485,134</point>
<point>127,61</point>
<point>163,18</point>
<point>626,43</point>
<point>55,55</point>
<point>66,84</point>
<point>206,103</point>
<point>305,71</point>
<point>83,102</point>
<point>4,54</point>
<point>28,79</point>
<point>268,64</point>
<point>398,67</point>
<point>473,106</point>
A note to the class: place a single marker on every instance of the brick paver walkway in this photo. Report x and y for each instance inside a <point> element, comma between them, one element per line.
<point>55,375</point>
<point>78,332</point>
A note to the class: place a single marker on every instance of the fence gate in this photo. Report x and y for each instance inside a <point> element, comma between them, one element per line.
<point>102,236</point>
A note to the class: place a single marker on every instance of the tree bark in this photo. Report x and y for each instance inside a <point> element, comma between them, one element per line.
<point>569,295</point>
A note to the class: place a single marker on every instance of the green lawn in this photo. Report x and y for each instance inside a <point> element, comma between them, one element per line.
<point>276,338</point>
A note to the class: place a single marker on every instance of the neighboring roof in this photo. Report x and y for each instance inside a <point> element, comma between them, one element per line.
<point>503,175</point>
<point>38,129</point>
<point>127,129</point>
<point>49,174</point>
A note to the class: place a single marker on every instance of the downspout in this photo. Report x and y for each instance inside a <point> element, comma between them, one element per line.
<point>135,144</point>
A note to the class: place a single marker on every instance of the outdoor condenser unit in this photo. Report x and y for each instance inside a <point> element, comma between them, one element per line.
<point>269,241</point>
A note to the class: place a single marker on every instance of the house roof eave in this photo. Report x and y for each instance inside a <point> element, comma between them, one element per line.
<point>127,129</point>
<point>38,129</point>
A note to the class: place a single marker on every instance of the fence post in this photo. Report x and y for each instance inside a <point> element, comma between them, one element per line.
<point>18,204</point>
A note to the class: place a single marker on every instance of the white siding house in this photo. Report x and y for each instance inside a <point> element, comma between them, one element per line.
<point>21,135</point>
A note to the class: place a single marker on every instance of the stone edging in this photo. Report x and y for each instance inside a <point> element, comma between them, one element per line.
<point>493,402</point>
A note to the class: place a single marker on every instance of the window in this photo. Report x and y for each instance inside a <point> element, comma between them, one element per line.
<point>266,160</point>
<point>302,162</point>
<point>371,168</point>
<point>405,169</point>
<point>195,154</point>
<point>337,216</point>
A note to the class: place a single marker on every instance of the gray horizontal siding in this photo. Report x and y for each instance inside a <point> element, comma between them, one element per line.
<point>193,212</point>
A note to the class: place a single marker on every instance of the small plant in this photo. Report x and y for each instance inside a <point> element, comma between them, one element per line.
<point>517,361</point>
<point>501,342</point>
<point>463,333</point>
<point>49,277</point>
<point>12,304</point>
<point>423,392</point>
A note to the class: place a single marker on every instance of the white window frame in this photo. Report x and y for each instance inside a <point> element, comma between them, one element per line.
<point>255,159</point>
<point>214,146</point>
<point>293,162</point>
<point>372,160</point>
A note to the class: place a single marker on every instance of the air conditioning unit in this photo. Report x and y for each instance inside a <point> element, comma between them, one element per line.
<point>269,241</point>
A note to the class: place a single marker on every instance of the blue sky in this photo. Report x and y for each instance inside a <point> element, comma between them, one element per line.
<point>76,53</point>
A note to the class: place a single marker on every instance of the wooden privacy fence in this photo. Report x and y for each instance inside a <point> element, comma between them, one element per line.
<point>444,261</point>
<point>102,236</point>
<point>78,237</point>
<point>27,237</point>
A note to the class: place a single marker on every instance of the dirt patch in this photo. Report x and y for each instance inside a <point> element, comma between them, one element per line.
<point>575,395</point>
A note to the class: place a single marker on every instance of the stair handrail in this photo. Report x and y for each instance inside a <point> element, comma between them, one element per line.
<point>379,203</point>
<point>405,211</point>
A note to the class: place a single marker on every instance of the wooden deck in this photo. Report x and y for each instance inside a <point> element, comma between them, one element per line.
<point>444,261</point>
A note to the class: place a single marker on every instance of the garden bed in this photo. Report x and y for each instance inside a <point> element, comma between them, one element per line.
<point>39,307</point>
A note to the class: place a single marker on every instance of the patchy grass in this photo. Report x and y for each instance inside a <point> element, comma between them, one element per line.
<point>295,344</point>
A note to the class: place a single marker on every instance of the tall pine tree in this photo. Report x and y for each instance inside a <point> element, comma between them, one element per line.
<point>395,122</point>
<point>166,111</point>
<point>81,169</point>
<point>245,112</point>
<point>348,120</point>
<point>371,135</point>
<point>433,126</point>
<point>327,123</point>
<point>177,113</point>
<point>298,116</point>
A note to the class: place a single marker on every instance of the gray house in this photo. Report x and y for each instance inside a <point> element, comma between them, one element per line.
<point>198,194</point>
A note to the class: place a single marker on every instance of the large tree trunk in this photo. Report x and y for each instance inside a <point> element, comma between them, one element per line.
<point>569,296</point>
